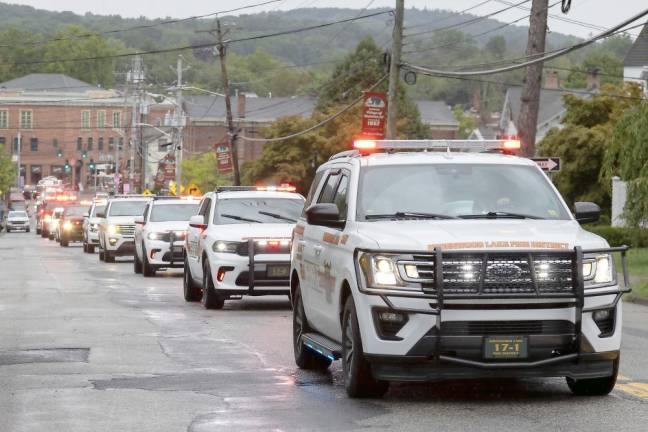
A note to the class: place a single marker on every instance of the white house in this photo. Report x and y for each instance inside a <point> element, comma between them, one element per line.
<point>635,64</point>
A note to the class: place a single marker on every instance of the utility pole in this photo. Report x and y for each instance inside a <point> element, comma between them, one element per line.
<point>222,52</point>
<point>137,77</point>
<point>394,70</point>
<point>18,151</point>
<point>530,100</point>
<point>179,128</point>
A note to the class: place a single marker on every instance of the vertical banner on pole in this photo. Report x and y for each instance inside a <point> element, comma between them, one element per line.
<point>374,115</point>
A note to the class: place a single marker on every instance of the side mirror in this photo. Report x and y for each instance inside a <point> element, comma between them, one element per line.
<point>324,214</point>
<point>139,220</point>
<point>197,221</point>
<point>101,215</point>
<point>587,212</point>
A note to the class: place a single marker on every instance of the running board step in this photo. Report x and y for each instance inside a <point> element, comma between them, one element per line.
<point>323,345</point>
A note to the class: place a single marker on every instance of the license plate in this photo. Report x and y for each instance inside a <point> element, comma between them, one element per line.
<point>505,347</point>
<point>178,249</point>
<point>278,271</point>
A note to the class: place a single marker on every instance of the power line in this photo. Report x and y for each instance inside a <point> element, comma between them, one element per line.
<point>196,46</point>
<point>546,56</point>
<point>452,15</point>
<point>140,27</point>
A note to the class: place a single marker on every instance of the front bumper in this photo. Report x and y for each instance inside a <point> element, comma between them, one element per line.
<point>92,237</point>
<point>249,275</point>
<point>444,336</point>
<point>18,226</point>
<point>165,254</point>
<point>119,245</point>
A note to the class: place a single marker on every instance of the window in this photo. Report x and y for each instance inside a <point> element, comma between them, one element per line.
<point>100,144</point>
<point>26,119</point>
<point>4,119</point>
<point>101,119</point>
<point>55,143</point>
<point>121,144</point>
<point>127,208</point>
<point>326,196</point>
<point>85,119</point>
<point>3,141</point>
<point>116,119</point>
<point>33,144</point>
<point>205,209</point>
<point>15,145</point>
<point>90,143</point>
<point>172,212</point>
<point>111,144</point>
<point>79,144</point>
<point>257,210</point>
<point>340,198</point>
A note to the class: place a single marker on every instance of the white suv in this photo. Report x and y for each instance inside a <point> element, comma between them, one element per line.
<point>91,225</point>
<point>239,244</point>
<point>413,264</point>
<point>160,234</point>
<point>117,226</point>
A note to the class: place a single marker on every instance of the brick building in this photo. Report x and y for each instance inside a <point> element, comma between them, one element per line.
<point>61,121</point>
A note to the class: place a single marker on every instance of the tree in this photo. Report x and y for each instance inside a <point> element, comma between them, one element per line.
<point>202,171</point>
<point>467,123</point>
<point>496,46</point>
<point>7,171</point>
<point>584,141</point>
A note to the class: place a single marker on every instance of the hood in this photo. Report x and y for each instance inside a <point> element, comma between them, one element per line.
<point>236,232</point>
<point>168,226</point>
<point>479,234</point>
<point>119,220</point>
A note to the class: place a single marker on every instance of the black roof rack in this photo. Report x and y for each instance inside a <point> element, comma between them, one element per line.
<point>235,189</point>
<point>169,197</point>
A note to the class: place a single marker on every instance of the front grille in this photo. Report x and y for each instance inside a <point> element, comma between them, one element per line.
<point>260,279</point>
<point>126,230</point>
<point>243,249</point>
<point>496,273</point>
<point>490,328</point>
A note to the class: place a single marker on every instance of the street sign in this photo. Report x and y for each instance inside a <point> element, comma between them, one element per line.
<point>374,116</point>
<point>548,164</point>
<point>224,157</point>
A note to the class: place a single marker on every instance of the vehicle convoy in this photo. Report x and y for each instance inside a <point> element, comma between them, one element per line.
<point>17,221</point>
<point>117,226</point>
<point>160,234</point>
<point>239,244</point>
<point>424,260</point>
<point>70,227</point>
<point>91,225</point>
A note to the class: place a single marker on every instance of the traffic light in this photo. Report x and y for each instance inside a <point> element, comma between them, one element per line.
<point>92,166</point>
<point>84,154</point>
<point>67,166</point>
<point>59,153</point>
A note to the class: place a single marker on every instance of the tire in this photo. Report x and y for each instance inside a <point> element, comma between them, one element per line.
<point>594,386</point>
<point>43,233</point>
<point>64,243</point>
<point>210,299</point>
<point>91,249</point>
<point>147,269</point>
<point>109,257</point>
<point>304,358</point>
<point>102,257</point>
<point>85,247</point>
<point>50,236</point>
<point>358,379</point>
<point>192,292</point>
<point>28,229</point>
<point>38,231</point>
<point>137,264</point>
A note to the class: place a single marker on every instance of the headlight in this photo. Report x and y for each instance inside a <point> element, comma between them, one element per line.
<point>163,236</point>
<point>67,226</point>
<point>112,229</point>
<point>598,270</point>
<point>380,271</point>
<point>222,246</point>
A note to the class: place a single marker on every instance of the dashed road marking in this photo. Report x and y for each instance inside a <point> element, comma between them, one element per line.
<point>635,389</point>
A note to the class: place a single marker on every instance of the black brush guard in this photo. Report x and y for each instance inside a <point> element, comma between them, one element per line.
<point>578,295</point>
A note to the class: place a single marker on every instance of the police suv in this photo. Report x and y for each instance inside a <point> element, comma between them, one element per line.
<point>91,225</point>
<point>423,260</point>
<point>117,226</point>
<point>160,234</point>
<point>239,244</point>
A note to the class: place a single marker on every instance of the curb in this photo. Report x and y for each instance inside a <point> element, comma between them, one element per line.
<point>638,300</point>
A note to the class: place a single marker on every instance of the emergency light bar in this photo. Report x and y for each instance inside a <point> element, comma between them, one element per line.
<point>282,188</point>
<point>367,146</point>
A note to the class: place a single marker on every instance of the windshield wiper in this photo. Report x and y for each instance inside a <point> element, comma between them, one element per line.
<point>499,215</point>
<point>277,216</point>
<point>240,218</point>
<point>409,215</point>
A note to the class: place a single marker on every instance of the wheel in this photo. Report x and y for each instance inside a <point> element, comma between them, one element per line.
<point>85,248</point>
<point>358,379</point>
<point>109,257</point>
<point>50,236</point>
<point>38,231</point>
<point>28,229</point>
<point>211,299</point>
<point>8,230</point>
<point>43,233</point>
<point>594,386</point>
<point>191,290</point>
<point>101,254</point>
<point>64,243</point>
<point>147,269</point>
<point>304,358</point>
<point>137,264</point>
<point>91,248</point>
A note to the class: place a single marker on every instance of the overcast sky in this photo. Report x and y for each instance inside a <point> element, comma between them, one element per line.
<point>600,12</point>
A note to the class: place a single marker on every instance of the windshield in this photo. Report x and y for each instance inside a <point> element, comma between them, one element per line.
<point>76,211</point>
<point>57,213</point>
<point>457,190</point>
<point>127,208</point>
<point>17,214</point>
<point>173,212</point>
<point>258,210</point>
<point>98,209</point>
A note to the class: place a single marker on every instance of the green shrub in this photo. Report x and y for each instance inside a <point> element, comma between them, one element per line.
<point>616,236</point>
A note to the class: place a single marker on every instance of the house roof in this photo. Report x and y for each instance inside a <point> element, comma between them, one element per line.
<point>436,113</point>
<point>551,103</point>
<point>257,109</point>
<point>46,82</point>
<point>638,54</point>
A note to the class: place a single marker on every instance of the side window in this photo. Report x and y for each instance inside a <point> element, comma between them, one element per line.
<point>340,198</point>
<point>313,188</point>
<point>205,209</point>
<point>146,212</point>
<point>329,188</point>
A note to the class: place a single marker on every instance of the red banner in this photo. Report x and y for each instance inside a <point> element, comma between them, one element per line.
<point>374,115</point>
<point>224,157</point>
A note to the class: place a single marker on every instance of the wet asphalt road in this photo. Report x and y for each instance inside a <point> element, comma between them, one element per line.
<point>88,346</point>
